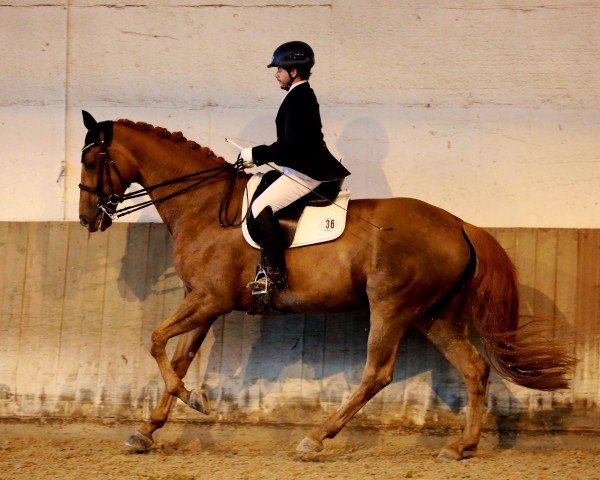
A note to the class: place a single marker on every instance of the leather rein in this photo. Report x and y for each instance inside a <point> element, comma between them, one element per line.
<point>109,202</point>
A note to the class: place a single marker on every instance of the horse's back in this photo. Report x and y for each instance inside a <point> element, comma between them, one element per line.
<point>403,213</point>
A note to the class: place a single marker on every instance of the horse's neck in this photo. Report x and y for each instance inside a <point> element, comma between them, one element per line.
<point>160,161</point>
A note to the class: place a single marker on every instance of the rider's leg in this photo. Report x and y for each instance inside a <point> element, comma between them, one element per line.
<point>273,248</point>
<point>285,190</point>
<point>288,188</point>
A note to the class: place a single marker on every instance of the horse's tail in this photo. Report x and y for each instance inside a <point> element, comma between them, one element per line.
<point>526,354</point>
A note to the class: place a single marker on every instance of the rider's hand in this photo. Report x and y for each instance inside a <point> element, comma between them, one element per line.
<point>246,154</point>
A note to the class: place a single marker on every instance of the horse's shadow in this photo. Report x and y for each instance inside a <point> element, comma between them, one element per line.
<point>334,352</point>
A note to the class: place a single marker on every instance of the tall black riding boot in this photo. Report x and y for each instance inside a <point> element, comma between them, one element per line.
<point>272,255</point>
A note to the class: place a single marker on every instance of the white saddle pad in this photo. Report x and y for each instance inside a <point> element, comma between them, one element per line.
<point>316,224</point>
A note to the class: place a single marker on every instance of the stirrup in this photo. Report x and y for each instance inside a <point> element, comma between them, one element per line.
<point>260,285</point>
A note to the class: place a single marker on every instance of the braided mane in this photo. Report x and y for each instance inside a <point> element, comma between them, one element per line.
<point>175,137</point>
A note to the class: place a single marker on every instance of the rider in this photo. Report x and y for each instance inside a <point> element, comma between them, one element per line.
<point>299,149</point>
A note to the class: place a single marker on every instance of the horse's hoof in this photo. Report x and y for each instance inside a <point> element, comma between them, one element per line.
<point>449,455</point>
<point>199,401</point>
<point>138,442</point>
<point>309,445</point>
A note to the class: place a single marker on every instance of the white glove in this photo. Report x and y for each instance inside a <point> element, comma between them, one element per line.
<point>246,155</point>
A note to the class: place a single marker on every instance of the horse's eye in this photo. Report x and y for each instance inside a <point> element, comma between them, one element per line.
<point>89,166</point>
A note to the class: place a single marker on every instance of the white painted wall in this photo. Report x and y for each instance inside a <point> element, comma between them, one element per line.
<point>489,109</point>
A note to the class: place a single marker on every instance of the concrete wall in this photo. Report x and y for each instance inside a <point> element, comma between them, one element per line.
<point>488,109</point>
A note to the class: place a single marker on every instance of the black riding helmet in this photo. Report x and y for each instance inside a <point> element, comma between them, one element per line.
<point>293,54</point>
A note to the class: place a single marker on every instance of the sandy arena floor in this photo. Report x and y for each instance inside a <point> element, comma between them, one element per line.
<point>210,452</point>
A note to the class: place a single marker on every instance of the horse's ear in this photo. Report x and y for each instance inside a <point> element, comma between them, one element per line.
<point>89,121</point>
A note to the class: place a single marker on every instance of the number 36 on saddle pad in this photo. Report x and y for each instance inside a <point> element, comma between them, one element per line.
<point>316,224</point>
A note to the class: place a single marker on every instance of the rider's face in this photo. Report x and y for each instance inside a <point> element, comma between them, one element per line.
<point>283,77</point>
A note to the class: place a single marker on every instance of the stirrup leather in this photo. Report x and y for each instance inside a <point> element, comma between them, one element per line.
<point>260,285</point>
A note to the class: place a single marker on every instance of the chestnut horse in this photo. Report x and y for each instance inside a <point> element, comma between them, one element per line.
<point>411,263</point>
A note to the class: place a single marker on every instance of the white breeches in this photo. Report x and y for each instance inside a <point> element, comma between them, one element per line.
<point>288,188</point>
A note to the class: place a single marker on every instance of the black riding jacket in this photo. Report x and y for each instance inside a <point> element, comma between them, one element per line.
<point>300,143</point>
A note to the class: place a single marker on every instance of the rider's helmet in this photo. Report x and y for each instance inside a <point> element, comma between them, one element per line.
<point>294,54</point>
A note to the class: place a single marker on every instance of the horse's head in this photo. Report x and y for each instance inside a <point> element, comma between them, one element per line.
<point>105,175</point>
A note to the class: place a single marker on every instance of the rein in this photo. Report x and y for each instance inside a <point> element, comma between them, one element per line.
<point>108,202</point>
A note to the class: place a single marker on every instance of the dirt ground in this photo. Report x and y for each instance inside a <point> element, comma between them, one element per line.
<point>207,451</point>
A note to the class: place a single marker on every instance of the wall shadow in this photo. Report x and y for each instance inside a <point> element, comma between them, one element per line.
<point>363,145</point>
<point>147,265</point>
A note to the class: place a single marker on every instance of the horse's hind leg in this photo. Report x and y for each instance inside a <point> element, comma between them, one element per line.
<point>448,335</point>
<point>387,327</point>
<point>188,345</point>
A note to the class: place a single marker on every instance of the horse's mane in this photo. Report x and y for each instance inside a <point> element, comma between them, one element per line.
<point>233,175</point>
<point>175,137</point>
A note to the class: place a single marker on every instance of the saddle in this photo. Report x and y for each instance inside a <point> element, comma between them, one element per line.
<point>319,216</point>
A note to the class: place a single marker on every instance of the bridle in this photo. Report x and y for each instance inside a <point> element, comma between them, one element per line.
<point>108,202</point>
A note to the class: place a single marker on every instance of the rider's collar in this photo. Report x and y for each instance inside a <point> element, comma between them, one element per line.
<point>292,87</point>
<point>296,84</point>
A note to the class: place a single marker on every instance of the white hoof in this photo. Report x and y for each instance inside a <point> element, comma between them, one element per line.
<point>309,445</point>
<point>138,442</point>
<point>449,455</point>
<point>199,401</point>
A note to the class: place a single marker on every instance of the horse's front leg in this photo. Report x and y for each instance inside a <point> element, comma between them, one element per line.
<point>196,312</point>
<point>186,350</point>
